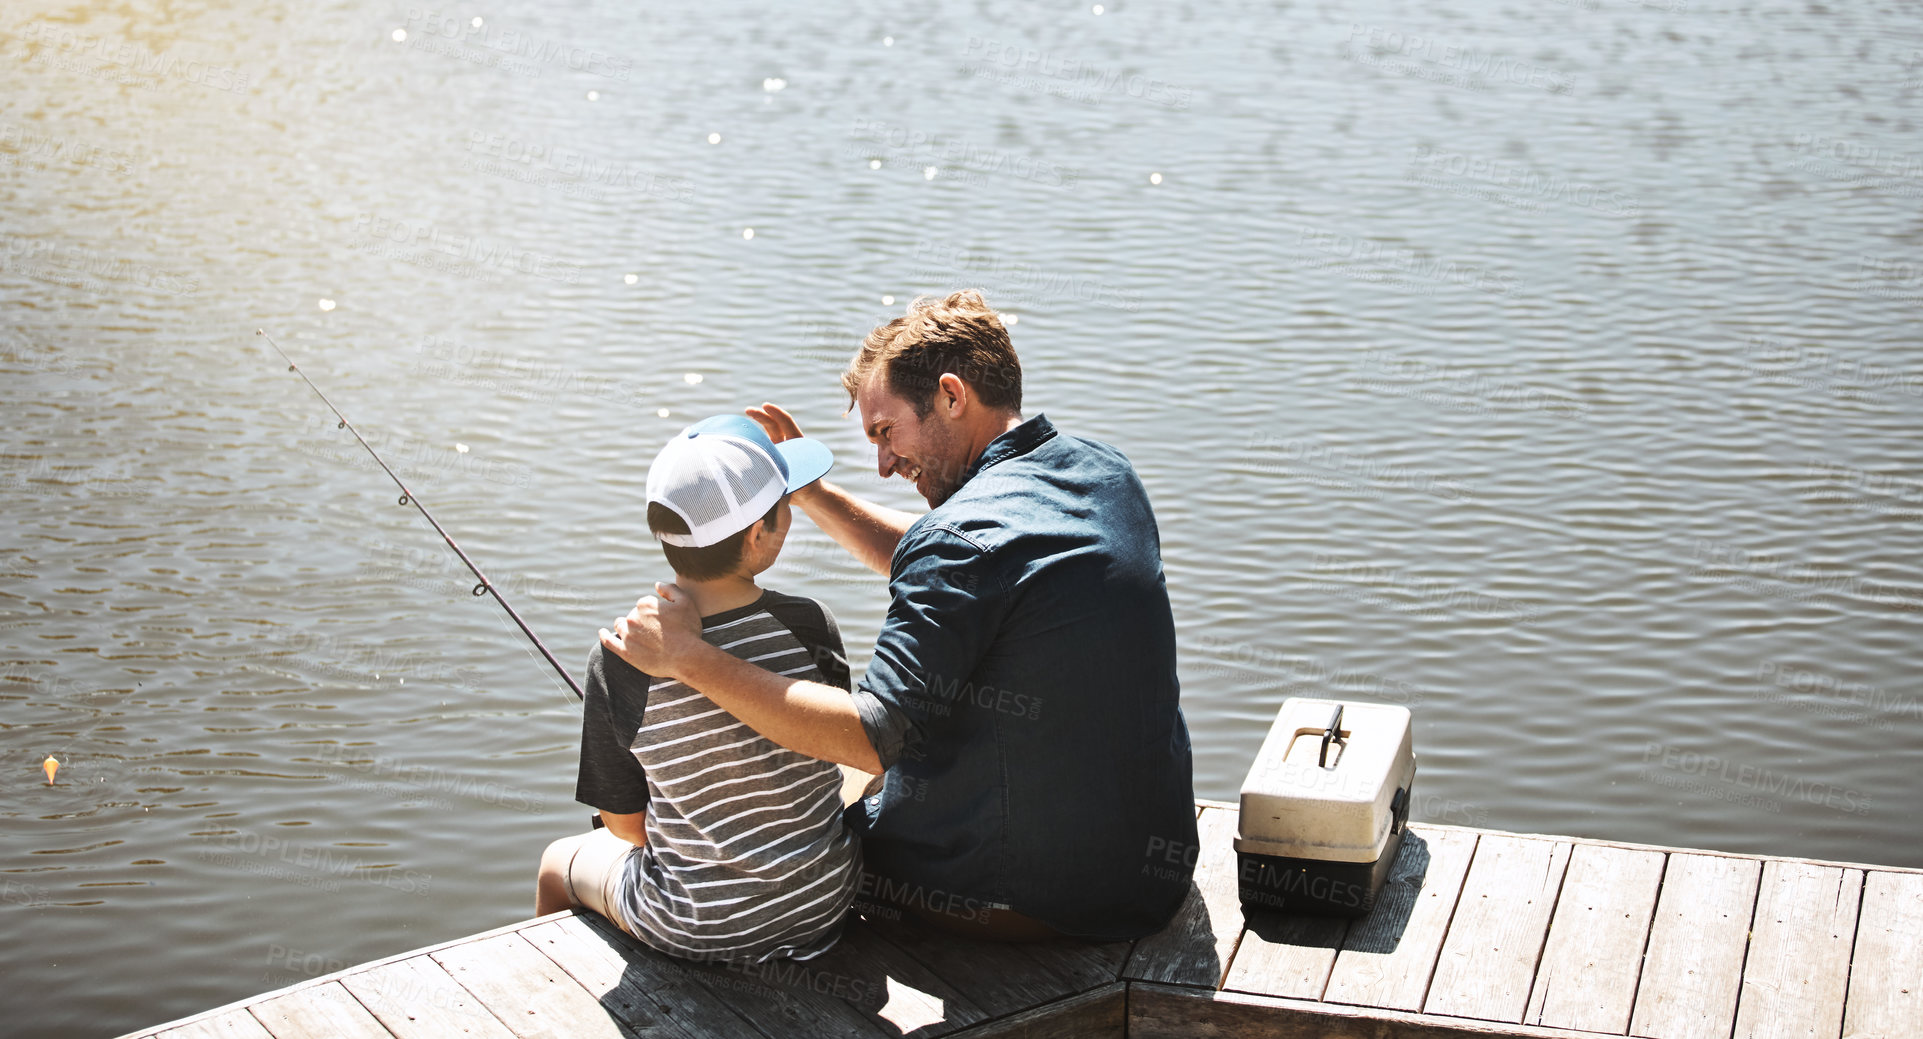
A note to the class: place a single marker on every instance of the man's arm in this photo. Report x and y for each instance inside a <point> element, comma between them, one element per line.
<point>806,717</point>
<point>662,637</point>
<point>868,531</point>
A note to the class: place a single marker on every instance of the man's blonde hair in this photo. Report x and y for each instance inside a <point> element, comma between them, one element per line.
<point>959,335</point>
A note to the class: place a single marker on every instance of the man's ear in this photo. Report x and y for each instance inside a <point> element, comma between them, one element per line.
<point>953,394</point>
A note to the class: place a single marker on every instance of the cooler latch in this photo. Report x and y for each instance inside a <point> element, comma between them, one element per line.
<point>1333,734</point>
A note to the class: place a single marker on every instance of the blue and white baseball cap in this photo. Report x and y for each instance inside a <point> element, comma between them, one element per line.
<point>723,473</point>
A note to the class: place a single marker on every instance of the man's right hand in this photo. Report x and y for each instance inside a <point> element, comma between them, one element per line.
<point>654,633</point>
<point>869,531</point>
<point>779,425</point>
<point>776,422</point>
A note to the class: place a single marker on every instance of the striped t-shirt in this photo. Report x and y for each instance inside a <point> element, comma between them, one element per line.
<point>747,858</point>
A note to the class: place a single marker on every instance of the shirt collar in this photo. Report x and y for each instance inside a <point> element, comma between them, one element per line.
<point>1016,442</point>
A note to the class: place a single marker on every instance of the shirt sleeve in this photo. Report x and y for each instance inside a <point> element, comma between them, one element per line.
<point>944,612</point>
<point>815,628</point>
<point>611,778</point>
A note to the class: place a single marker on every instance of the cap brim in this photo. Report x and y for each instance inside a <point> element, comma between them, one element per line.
<point>808,460</point>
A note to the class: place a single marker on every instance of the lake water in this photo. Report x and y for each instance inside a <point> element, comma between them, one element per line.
<point>1552,368</point>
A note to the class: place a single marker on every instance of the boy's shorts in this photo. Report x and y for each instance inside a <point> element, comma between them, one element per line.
<point>594,873</point>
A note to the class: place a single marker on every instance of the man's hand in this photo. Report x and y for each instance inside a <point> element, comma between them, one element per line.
<point>868,531</point>
<point>662,638</point>
<point>779,425</point>
<point>776,422</point>
<point>653,634</point>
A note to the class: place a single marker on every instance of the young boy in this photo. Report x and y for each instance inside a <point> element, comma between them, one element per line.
<point>719,844</point>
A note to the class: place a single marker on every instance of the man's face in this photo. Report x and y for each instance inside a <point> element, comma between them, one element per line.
<point>926,452</point>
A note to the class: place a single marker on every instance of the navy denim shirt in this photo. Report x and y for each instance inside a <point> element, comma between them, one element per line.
<point>1023,698</point>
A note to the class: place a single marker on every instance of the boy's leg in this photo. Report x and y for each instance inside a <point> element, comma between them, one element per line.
<point>582,870</point>
<point>551,894</point>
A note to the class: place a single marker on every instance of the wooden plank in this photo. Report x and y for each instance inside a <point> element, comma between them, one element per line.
<point>327,979</point>
<point>1759,859</point>
<point>1390,955</point>
<point>415,999</point>
<point>1696,950</point>
<point>648,992</point>
<point>1196,947</point>
<point>1085,965</point>
<point>1286,955</point>
<point>899,993</point>
<point>1587,978</point>
<point>1886,985</point>
<point>234,1024</point>
<point>1004,977</point>
<point>320,1012</point>
<point>1172,1012</point>
<point>1694,963</point>
<point>1887,982</point>
<point>530,993</point>
<point>999,977</point>
<point>1489,957</point>
<point>780,1000</point>
<point>1098,1014</point>
<point>787,998</point>
<point>1798,968</point>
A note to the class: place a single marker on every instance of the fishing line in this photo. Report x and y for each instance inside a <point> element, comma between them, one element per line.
<point>485,587</point>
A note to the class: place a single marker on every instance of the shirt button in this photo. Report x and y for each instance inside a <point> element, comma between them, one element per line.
<point>875,801</point>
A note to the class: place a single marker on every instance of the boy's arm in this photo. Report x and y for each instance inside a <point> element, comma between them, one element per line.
<point>663,638</point>
<point>609,775</point>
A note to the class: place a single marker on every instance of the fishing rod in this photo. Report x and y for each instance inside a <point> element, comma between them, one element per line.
<point>486,587</point>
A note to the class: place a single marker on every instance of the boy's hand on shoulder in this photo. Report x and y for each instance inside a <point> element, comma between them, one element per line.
<point>653,635</point>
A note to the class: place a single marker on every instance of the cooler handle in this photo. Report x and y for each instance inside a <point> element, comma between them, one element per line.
<point>1330,735</point>
<point>1399,810</point>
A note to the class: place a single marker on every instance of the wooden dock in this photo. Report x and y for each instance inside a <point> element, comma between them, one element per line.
<point>1478,934</point>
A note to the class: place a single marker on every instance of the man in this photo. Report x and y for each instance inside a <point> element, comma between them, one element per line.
<point>1022,698</point>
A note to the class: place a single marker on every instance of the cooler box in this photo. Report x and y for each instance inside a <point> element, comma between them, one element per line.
<point>1324,807</point>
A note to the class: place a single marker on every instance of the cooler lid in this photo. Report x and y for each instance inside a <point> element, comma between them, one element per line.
<point>1317,794</point>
